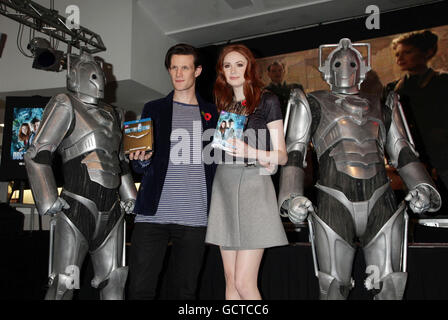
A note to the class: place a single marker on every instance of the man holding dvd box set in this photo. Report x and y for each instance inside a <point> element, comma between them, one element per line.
<point>174,196</point>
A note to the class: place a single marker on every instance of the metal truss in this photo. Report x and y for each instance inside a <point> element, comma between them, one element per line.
<point>50,22</point>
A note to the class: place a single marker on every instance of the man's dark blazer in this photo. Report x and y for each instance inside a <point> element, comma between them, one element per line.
<point>161,113</point>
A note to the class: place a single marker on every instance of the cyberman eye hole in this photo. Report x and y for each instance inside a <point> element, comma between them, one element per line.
<point>94,76</point>
<point>337,64</point>
<point>353,64</point>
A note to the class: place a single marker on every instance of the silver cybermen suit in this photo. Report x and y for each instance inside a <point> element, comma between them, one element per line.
<point>351,132</point>
<point>98,189</point>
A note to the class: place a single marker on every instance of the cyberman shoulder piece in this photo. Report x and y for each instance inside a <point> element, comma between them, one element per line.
<point>345,68</point>
<point>85,78</point>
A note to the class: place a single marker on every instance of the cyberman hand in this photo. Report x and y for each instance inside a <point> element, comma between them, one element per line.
<point>419,199</point>
<point>57,206</point>
<point>298,208</point>
<point>128,205</point>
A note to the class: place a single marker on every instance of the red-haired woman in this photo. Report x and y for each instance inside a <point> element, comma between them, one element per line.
<point>244,217</point>
<point>24,135</point>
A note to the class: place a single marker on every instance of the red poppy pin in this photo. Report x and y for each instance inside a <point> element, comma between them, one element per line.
<point>207,116</point>
<point>244,103</point>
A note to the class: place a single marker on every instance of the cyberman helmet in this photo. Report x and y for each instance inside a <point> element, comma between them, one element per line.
<point>345,68</point>
<point>85,77</point>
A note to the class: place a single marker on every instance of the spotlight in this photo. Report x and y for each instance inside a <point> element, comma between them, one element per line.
<point>45,57</point>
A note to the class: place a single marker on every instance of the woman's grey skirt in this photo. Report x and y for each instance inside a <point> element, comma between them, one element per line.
<point>243,210</point>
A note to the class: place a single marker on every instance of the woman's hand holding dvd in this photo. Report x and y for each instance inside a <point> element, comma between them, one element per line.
<point>241,149</point>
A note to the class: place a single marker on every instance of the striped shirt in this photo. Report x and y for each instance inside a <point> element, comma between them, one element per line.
<point>184,195</point>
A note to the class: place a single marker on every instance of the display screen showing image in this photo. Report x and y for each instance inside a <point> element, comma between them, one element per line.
<point>25,124</point>
<point>282,72</point>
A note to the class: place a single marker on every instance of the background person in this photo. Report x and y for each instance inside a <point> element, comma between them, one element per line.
<point>424,97</point>
<point>276,72</point>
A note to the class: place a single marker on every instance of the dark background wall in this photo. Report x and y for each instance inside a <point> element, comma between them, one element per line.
<point>422,17</point>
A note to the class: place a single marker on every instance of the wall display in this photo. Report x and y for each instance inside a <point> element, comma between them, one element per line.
<point>22,120</point>
<point>302,67</point>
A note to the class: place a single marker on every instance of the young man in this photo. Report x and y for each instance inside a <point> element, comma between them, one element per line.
<point>173,200</point>
<point>35,123</point>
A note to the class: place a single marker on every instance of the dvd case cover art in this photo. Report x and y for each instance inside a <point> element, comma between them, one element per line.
<point>230,125</point>
<point>138,135</point>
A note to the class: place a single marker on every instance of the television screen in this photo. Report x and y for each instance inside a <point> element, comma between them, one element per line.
<point>22,120</point>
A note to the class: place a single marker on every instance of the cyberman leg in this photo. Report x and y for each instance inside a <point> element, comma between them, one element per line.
<point>334,256</point>
<point>69,250</point>
<point>385,257</point>
<point>108,264</point>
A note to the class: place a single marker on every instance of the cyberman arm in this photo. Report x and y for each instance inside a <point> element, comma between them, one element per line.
<point>423,195</point>
<point>56,121</point>
<point>127,190</point>
<point>291,201</point>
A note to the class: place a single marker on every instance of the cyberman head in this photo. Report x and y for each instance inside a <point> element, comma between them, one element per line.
<point>85,77</point>
<point>345,68</point>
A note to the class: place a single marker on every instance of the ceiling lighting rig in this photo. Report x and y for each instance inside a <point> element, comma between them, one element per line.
<point>51,23</point>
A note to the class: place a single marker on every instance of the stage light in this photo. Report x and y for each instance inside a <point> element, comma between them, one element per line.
<point>45,57</point>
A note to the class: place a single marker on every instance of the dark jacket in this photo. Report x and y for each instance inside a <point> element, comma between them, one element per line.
<point>161,113</point>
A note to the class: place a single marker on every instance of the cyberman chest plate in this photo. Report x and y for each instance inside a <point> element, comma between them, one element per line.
<point>352,127</point>
<point>97,136</point>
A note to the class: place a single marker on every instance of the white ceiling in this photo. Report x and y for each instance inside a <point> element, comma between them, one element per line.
<point>202,22</point>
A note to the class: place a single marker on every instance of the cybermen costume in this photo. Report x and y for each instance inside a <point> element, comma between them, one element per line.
<point>350,132</point>
<point>88,215</point>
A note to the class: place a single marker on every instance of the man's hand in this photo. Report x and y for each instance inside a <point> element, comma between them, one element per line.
<point>127,205</point>
<point>140,155</point>
<point>57,206</point>
<point>419,199</point>
<point>298,208</point>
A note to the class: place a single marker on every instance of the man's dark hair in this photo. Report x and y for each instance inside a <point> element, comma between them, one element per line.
<point>182,49</point>
<point>231,120</point>
<point>276,63</point>
<point>34,120</point>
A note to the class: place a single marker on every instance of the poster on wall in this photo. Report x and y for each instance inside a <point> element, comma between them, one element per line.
<point>24,128</point>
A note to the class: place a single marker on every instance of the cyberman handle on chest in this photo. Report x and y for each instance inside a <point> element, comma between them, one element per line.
<point>351,133</point>
<point>88,215</point>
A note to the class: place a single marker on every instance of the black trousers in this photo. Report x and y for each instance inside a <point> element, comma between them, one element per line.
<point>148,247</point>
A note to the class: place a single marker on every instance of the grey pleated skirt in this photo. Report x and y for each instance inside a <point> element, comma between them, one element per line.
<point>243,210</point>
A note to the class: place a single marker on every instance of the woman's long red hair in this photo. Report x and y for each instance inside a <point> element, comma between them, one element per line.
<point>252,86</point>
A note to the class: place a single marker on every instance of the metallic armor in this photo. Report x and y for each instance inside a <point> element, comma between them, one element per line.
<point>351,136</point>
<point>87,134</point>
